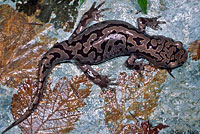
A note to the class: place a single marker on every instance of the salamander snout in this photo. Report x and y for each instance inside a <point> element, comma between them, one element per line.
<point>179,55</point>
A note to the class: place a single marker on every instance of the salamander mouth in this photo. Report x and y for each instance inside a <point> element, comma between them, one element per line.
<point>173,64</point>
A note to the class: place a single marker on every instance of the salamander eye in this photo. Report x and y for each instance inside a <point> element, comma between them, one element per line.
<point>178,44</point>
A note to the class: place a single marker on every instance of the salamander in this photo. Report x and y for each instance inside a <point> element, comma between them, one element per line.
<point>90,45</point>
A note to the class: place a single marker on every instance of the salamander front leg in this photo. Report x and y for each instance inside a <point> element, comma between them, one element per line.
<point>150,22</point>
<point>102,81</point>
<point>132,64</point>
<point>93,14</point>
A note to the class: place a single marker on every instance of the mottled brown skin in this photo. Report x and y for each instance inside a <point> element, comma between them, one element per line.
<point>104,41</point>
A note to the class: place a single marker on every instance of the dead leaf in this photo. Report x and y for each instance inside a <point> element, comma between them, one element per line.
<point>142,128</point>
<point>194,49</point>
<point>18,56</point>
<point>27,6</point>
<point>58,110</point>
<point>64,12</point>
<point>134,93</point>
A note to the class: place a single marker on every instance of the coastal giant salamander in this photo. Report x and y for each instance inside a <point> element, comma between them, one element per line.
<point>103,41</point>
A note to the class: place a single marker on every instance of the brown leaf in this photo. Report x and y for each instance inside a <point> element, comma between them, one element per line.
<point>18,58</point>
<point>65,12</point>
<point>142,128</point>
<point>194,49</point>
<point>58,110</point>
<point>135,93</point>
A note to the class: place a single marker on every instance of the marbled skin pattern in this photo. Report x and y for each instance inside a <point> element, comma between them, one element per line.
<point>103,41</point>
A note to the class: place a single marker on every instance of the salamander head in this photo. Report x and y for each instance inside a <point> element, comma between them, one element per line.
<point>179,55</point>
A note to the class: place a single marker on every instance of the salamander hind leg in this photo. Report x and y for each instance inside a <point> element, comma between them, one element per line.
<point>93,14</point>
<point>150,22</point>
<point>102,81</point>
